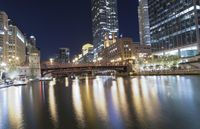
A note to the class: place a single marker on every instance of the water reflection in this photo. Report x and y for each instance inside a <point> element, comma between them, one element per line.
<point>145,100</point>
<point>77,102</point>
<point>115,117</point>
<point>122,99</point>
<point>52,103</point>
<point>155,102</point>
<point>66,82</point>
<point>11,108</point>
<point>99,97</point>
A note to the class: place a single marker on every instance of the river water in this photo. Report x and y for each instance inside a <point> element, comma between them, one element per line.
<point>151,102</point>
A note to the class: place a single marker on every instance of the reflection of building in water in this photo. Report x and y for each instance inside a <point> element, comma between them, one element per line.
<point>99,97</point>
<point>137,99</point>
<point>66,82</point>
<point>15,106</point>
<point>53,105</point>
<point>116,118</point>
<point>88,101</point>
<point>145,98</point>
<point>122,98</point>
<point>77,103</point>
<point>3,108</point>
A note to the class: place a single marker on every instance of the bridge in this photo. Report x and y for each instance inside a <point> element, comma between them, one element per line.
<point>79,69</point>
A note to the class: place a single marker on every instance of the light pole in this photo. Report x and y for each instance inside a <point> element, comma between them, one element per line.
<point>99,60</point>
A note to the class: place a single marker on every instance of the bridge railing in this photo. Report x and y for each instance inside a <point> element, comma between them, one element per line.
<point>78,65</point>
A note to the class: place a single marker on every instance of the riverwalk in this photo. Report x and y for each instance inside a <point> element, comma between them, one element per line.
<point>170,72</point>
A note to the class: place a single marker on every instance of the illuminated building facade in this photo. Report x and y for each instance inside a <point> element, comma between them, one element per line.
<point>34,63</point>
<point>122,50</point>
<point>17,45</point>
<point>174,27</point>
<point>3,35</point>
<point>104,21</point>
<point>87,48</point>
<point>16,50</point>
<point>144,27</point>
<point>64,55</point>
<point>12,41</point>
<point>33,58</point>
<point>87,55</point>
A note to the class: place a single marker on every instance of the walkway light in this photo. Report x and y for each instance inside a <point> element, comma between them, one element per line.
<point>119,59</point>
<point>94,61</point>
<point>3,64</point>
<point>100,58</point>
<point>17,58</point>
<point>112,61</point>
<point>133,57</point>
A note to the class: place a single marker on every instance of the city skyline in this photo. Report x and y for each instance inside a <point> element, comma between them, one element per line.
<point>100,64</point>
<point>33,20</point>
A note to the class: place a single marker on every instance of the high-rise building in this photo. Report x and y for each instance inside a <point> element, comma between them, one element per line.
<point>16,46</point>
<point>174,27</point>
<point>12,41</point>
<point>144,27</point>
<point>16,50</point>
<point>3,36</point>
<point>104,21</point>
<point>64,55</point>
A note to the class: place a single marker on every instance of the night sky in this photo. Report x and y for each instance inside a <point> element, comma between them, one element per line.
<point>65,23</point>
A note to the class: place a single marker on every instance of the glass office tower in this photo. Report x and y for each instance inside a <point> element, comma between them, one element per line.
<point>104,22</point>
<point>143,17</point>
<point>174,26</point>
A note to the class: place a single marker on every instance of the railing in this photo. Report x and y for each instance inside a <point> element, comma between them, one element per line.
<point>78,65</point>
<point>77,68</point>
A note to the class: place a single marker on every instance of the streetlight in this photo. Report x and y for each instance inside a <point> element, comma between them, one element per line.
<point>3,64</point>
<point>99,58</point>
<point>94,60</point>
<point>51,60</point>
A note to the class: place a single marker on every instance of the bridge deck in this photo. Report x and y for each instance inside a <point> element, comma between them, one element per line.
<point>69,68</point>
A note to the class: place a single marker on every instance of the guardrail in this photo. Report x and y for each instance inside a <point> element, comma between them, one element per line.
<point>76,65</point>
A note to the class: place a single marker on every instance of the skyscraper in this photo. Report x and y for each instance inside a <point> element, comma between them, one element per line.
<point>3,36</point>
<point>12,41</point>
<point>174,27</point>
<point>104,21</point>
<point>143,17</point>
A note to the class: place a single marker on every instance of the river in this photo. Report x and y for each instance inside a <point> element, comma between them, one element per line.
<point>146,102</point>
